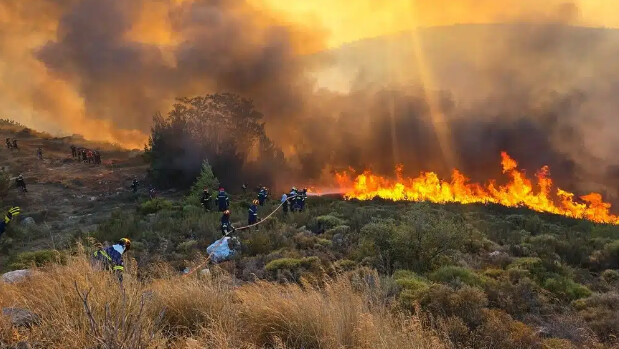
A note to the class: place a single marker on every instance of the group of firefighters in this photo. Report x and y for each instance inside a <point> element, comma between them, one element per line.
<point>11,144</point>
<point>86,155</point>
<point>293,201</point>
<point>111,258</point>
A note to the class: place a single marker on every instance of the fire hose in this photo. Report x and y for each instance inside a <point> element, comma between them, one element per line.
<point>237,229</point>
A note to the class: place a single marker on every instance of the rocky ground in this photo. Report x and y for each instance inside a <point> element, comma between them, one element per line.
<point>65,195</point>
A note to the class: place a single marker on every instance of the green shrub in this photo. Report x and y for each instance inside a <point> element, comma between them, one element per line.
<point>610,276</point>
<point>566,288</point>
<point>344,265</point>
<point>40,258</point>
<point>466,303</point>
<point>340,229</point>
<point>531,266</point>
<point>155,205</point>
<point>456,275</point>
<point>323,223</point>
<point>309,263</point>
<point>601,312</point>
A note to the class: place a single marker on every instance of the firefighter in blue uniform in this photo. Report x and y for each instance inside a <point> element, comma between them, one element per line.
<point>262,196</point>
<point>253,213</point>
<point>226,226</point>
<point>301,196</point>
<point>134,185</point>
<point>222,200</point>
<point>111,258</point>
<point>292,199</point>
<point>13,211</point>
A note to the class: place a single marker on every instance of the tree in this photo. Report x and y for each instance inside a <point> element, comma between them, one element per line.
<point>206,180</point>
<point>224,128</point>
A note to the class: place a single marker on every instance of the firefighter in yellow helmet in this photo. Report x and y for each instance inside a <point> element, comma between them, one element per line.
<point>226,226</point>
<point>253,213</point>
<point>111,258</point>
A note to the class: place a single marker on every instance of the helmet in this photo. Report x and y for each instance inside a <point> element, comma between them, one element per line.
<point>294,189</point>
<point>205,189</point>
<point>255,202</point>
<point>221,189</point>
<point>305,190</point>
<point>125,242</point>
<point>226,212</point>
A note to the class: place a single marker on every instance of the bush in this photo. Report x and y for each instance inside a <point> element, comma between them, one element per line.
<point>566,288</point>
<point>154,205</point>
<point>309,263</point>
<point>456,276</point>
<point>322,223</point>
<point>40,258</point>
<point>499,330</point>
<point>466,303</point>
<point>610,276</point>
<point>601,312</point>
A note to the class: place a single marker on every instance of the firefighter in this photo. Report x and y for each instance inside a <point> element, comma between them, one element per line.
<point>79,154</point>
<point>40,153</point>
<point>253,213</point>
<point>206,199</point>
<point>15,144</point>
<point>284,202</point>
<point>11,213</point>
<point>21,183</point>
<point>97,155</point>
<point>111,258</point>
<point>262,196</point>
<point>226,226</point>
<point>244,187</point>
<point>9,145</point>
<point>134,185</point>
<point>222,200</point>
<point>152,192</point>
<point>73,151</point>
<point>292,199</point>
<point>301,196</point>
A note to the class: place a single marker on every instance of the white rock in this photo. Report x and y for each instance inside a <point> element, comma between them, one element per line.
<point>28,221</point>
<point>15,275</point>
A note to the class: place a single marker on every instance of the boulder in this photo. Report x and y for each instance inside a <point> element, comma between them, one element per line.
<point>28,221</point>
<point>21,317</point>
<point>15,275</point>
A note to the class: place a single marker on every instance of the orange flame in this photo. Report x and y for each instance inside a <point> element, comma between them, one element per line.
<point>517,193</point>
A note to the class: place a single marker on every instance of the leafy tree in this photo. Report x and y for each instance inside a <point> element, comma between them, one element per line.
<point>224,128</point>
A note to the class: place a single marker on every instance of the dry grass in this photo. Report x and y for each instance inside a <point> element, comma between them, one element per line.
<point>83,308</point>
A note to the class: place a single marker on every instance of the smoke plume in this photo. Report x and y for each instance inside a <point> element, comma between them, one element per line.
<point>431,98</point>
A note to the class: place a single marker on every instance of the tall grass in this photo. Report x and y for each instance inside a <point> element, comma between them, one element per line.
<point>84,308</point>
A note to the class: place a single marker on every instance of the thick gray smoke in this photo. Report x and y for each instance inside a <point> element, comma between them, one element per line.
<point>546,93</point>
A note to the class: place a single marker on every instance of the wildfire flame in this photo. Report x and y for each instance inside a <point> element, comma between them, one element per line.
<point>517,193</point>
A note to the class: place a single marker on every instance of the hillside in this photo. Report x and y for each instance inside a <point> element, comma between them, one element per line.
<point>342,274</point>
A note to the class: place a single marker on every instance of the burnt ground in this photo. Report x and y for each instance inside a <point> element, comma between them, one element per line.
<point>65,197</point>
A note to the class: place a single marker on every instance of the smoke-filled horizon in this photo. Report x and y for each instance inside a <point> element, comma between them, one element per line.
<point>432,99</point>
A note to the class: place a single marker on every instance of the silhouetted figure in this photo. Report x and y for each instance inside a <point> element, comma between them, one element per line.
<point>134,185</point>
<point>9,145</point>
<point>21,183</point>
<point>73,151</point>
<point>40,153</point>
<point>15,144</point>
